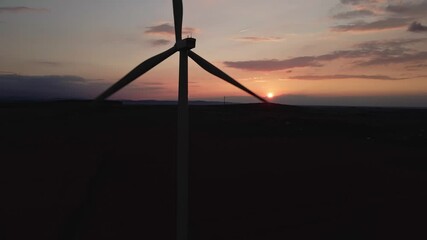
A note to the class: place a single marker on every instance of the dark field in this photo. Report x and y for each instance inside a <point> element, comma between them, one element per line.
<point>257,172</point>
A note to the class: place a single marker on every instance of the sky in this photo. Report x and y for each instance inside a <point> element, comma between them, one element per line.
<point>315,52</point>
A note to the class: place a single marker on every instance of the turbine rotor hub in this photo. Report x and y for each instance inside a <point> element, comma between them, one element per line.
<point>185,44</point>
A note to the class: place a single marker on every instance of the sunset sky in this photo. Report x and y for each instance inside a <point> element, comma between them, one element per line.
<point>327,52</point>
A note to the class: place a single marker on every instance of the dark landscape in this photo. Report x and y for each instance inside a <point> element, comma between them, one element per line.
<point>71,170</point>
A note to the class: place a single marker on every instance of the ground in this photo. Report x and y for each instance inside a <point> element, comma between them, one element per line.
<point>258,171</point>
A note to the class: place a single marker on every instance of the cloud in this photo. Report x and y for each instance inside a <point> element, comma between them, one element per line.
<point>16,86</point>
<point>361,26</point>
<point>391,14</point>
<point>244,30</point>
<point>392,52</point>
<point>354,14</point>
<point>357,2</point>
<point>367,54</point>
<point>21,9</point>
<point>416,67</point>
<point>388,52</point>
<point>259,39</point>
<point>161,29</point>
<point>417,27</point>
<point>168,30</point>
<point>334,77</point>
<point>388,48</point>
<point>274,64</point>
<point>159,42</point>
<point>408,8</point>
<point>403,58</point>
<point>297,62</point>
<point>390,44</point>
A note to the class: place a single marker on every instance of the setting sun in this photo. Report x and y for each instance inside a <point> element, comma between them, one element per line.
<point>270,95</point>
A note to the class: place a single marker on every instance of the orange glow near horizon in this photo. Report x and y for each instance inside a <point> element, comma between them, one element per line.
<point>270,95</point>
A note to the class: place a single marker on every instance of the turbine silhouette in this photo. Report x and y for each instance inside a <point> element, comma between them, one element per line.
<point>184,47</point>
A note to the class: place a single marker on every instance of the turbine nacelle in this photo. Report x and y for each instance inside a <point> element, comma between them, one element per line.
<point>185,44</point>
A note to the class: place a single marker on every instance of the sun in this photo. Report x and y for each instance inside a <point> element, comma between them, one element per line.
<point>270,95</point>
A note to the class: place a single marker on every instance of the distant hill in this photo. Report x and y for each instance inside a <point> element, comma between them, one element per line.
<point>165,102</point>
<point>124,102</point>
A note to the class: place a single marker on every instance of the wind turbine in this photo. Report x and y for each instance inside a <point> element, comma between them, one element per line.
<point>184,47</point>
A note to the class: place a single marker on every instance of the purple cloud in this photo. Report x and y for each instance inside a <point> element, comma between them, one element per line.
<point>416,67</point>
<point>417,27</point>
<point>392,52</point>
<point>385,24</point>
<point>338,76</point>
<point>392,15</point>
<point>167,29</point>
<point>367,54</point>
<point>274,64</point>
<point>408,9</point>
<point>298,62</point>
<point>403,58</point>
<point>160,42</point>
<point>354,14</point>
<point>358,2</point>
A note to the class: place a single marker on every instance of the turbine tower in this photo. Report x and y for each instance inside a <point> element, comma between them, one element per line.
<point>184,47</point>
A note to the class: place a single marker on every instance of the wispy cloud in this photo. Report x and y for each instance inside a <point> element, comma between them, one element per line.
<point>259,39</point>
<point>168,29</point>
<point>416,67</point>
<point>392,52</point>
<point>417,27</point>
<point>370,53</point>
<point>358,2</point>
<point>21,9</point>
<point>274,64</point>
<point>399,59</point>
<point>354,14</point>
<point>390,14</point>
<point>159,42</point>
<point>358,9</point>
<point>385,24</point>
<point>338,76</point>
<point>407,8</point>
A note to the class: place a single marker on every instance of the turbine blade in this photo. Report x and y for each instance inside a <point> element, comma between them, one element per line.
<point>217,72</point>
<point>177,14</point>
<point>136,72</point>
